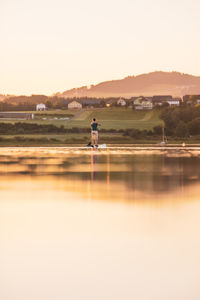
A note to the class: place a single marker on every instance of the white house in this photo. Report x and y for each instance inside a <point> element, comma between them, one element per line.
<point>75,105</point>
<point>143,103</point>
<point>174,102</point>
<point>147,104</point>
<point>121,102</point>
<point>40,107</point>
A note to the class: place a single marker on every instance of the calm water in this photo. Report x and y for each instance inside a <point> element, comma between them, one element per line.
<point>94,225</point>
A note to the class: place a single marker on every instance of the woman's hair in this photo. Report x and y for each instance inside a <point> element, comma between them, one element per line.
<point>94,119</point>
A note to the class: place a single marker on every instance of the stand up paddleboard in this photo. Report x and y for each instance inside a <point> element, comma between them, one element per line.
<point>98,146</point>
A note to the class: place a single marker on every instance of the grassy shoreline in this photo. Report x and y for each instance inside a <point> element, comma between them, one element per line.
<point>60,140</point>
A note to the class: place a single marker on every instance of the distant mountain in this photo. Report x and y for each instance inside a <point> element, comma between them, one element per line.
<point>155,83</point>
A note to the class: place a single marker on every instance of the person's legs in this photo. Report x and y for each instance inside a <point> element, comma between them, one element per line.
<point>93,137</point>
<point>96,138</point>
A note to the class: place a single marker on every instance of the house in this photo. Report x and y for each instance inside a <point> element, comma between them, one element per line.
<point>191,99</point>
<point>138,101</point>
<point>159,100</point>
<point>86,102</point>
<point>40,107</point>
<point>110,102</point>
<point>75,105</point>
<point>142,103</point>
<point>90,102</point>
<point>121,102</point>
<point>16,115</point>
<point>174,102</point>
<point>147,104</point>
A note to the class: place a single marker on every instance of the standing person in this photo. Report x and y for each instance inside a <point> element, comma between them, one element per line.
<point>94,132</point>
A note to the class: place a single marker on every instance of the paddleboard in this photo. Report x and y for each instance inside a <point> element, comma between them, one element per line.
<point>96,147</point>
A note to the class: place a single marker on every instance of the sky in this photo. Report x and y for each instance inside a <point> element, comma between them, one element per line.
<point>49,46</point>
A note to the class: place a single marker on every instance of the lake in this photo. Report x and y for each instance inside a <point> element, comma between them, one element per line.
<point>99,224</point>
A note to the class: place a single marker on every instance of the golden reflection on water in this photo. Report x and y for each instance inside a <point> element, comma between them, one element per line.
<point>99,225</point>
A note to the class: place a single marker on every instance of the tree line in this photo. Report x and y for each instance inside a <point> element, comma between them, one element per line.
<point>183,121</point>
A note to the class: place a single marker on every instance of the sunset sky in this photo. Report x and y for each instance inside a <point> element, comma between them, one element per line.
<point>49,46</point>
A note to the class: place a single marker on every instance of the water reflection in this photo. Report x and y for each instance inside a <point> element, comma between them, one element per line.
<point>124,177</point>
<point>99,225</point>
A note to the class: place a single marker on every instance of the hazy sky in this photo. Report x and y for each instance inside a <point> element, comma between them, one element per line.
<point>53,45</point>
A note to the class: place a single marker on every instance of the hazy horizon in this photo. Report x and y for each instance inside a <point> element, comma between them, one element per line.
<point>52,46</point>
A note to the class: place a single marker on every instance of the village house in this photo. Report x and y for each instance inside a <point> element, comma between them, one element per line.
<point>147,104</point>
<point>74,105</point>
<point>121,102</point>
<point>90,102</point>
<point>142,103</point>
<point>40,107</point>
<point>191,99</point>
<point>159,100</point>
<point>138,101</point>
<point>110,102</point>
<point>174,102</point>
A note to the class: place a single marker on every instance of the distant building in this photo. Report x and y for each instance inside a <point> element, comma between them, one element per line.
<point>191,99</point>
<point>110,102</point>
<point>16,115</point>
<point>159,100</point>
<point>174,102</point>
<point>40,107</point>
<point>138,101</point>
<point>75,105</point>
<point>85,102</point>
<point>90,102</point>
<point>121,102</point>
<point>147,104</point>
<point>142,103</point>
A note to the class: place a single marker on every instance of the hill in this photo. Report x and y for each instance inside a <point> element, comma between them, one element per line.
<point>155,83</point>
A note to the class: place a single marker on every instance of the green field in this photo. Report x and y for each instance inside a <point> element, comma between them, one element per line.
<point>110,118</point>
<point>115,118</point>
<point>118,118</point>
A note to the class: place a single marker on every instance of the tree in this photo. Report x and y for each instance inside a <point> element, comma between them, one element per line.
<point>170,119</point>
<point>49,104</point>
<point>194,126</point>
<point>181,130</point>
<point>157,130</point>
<point>165,105</point>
